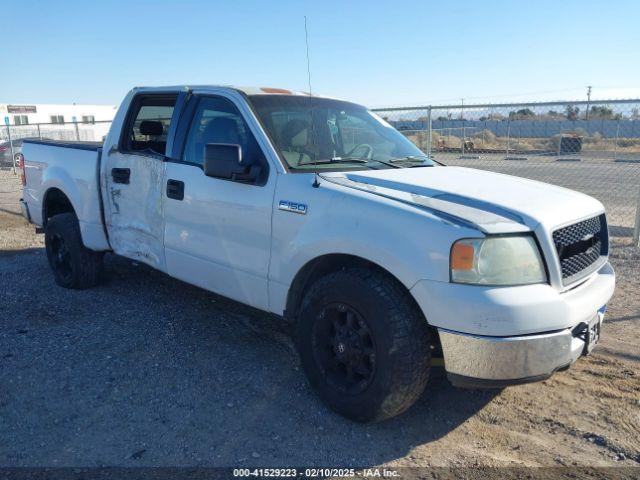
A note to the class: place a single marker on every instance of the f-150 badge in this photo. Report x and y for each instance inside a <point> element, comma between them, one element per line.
<point>292,207</point>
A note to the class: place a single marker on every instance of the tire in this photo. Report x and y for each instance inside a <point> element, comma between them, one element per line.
<point>387,347</point>
<point>74,266</point>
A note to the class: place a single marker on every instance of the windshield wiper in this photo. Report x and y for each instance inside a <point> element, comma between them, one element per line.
<point>409,158</point>
<point>348,160</point>
<point>335,160</point>
<point>414,159</point>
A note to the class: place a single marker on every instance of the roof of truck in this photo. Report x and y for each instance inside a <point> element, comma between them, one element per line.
<point>245,90</point>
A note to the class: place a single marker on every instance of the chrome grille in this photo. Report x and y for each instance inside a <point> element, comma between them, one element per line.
<point>580,246</point>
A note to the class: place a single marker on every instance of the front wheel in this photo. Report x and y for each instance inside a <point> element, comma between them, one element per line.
<point>74,266</point>
<point>363,344</point>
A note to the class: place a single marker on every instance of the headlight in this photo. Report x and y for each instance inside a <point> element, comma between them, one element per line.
<point>511,260</point>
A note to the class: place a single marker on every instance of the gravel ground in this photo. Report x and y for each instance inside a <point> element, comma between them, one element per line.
<point>145,370</point>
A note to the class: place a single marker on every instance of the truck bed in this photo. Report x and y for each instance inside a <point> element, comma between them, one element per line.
<point>82,145</point>
<point>66,170</point>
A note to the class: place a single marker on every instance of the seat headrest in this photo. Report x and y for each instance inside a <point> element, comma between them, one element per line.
<point>151,128</point>
<point>295,133</point>
<point>221,130</point>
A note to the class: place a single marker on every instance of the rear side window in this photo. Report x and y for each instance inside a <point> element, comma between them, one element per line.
<point>148,124</point>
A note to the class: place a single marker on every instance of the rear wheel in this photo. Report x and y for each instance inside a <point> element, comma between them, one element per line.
<point>364,344</point>
<point>74,265</point>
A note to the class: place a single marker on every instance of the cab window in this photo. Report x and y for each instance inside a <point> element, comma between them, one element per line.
<point>148,124</point>
<point>217,120</point>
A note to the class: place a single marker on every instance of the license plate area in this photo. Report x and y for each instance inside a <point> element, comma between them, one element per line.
<point>592,333</point>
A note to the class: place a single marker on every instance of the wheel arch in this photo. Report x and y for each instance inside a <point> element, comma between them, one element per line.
<point>329,263</point>
<point>55,202</point>
<point>323,265</point>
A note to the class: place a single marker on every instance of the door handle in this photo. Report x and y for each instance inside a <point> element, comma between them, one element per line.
<point>175,189</point>
<point>120,175</point>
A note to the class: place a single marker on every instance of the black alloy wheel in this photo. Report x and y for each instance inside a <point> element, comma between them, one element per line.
<point>344,348</point>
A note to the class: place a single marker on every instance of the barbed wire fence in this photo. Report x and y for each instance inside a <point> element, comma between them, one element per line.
<point>592,147</point>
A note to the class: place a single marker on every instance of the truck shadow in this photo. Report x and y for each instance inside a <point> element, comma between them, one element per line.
<point>277,401</point>
<point>201,380</point>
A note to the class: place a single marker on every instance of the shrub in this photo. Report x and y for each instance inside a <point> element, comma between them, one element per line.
<point>487,135</point>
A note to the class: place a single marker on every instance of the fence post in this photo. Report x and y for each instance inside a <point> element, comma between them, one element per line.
<point>508,135</point>
<point>463,132</point>
<point>75,124</point>
<point>39,134</point>
<point>636,228</point>
<point>429,132</point>
<point>13,157</point>
<point>615,145</point>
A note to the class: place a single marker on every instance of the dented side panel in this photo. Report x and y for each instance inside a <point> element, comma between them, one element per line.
<point>134,216</point>
<point>133,211</point>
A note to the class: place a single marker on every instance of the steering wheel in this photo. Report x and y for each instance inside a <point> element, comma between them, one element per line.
<point>362,145</point>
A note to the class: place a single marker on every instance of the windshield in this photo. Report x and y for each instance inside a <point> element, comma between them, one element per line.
<point>318,133</point>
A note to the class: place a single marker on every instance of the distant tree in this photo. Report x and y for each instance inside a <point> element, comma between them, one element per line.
<point>572,112</point>
<point>442,119</point>
<point>525,112</point>
<point>602,112</point>
<point>520,114</point>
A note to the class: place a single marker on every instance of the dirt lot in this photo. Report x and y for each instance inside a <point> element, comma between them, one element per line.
<point>147,371</point>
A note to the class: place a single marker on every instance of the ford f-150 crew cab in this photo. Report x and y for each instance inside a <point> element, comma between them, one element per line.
<point>318,210</point>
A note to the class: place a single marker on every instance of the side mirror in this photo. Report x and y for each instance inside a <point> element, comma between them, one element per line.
<point>224,160</point>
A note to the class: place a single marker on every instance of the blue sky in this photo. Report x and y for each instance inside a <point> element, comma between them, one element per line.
<point>373,52</point>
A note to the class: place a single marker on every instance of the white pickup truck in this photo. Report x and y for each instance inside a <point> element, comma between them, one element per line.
<point>318,210</point>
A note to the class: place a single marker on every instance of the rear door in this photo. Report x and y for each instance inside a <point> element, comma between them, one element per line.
<point>218,231</point>
<point>134,179</point>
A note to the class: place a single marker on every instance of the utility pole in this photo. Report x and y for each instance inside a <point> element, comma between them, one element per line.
<point>588,101</point>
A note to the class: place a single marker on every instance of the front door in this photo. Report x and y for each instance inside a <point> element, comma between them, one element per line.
<point>134,179</point>
<point>218,231</point>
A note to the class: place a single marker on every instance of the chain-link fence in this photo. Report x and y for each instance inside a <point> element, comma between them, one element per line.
<point>592,147</point>
<point>11,136</point>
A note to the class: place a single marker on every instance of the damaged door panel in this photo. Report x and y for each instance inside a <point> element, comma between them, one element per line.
<point>135,180</point>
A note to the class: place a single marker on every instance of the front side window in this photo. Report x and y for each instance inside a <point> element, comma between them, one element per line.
<point>148,124</point>
<point>217,120</point>
<point>20,120</point>
<point>88,119</point>
<point>57,118</point>
<point>312,133</point>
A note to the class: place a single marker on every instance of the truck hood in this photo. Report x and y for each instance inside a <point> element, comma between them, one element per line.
<point>490,202</point>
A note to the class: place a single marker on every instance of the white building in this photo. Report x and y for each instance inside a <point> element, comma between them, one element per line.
<point>21,114</point>
<point>58,122</point>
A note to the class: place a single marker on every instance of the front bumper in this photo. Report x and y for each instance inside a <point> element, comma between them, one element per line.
<point>496,336</point>
<point>477,361</point>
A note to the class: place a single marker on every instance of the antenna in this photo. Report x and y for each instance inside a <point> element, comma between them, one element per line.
<point>306,40</point>
<point>316,183</point>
